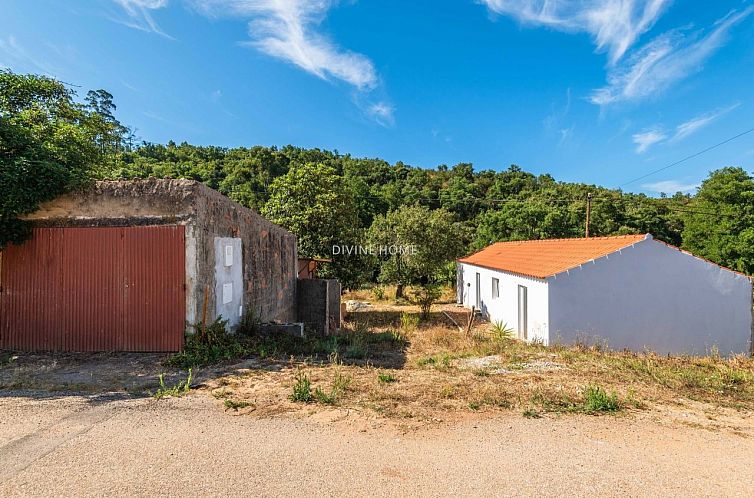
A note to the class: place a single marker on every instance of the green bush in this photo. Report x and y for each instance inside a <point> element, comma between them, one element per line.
<point>302,389</point>
<point>425,297</point>
<point>379,293</point>
<point>597,399</point>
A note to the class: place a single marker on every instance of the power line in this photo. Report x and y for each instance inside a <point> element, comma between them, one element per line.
<point>687,157</point>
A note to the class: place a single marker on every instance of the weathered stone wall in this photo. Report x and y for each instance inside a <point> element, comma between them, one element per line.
<point>269,256</point>
<point>269,251</point>
<point>121,203</point>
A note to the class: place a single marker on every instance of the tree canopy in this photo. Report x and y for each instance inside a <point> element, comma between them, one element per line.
<point>720,227</point>
<point>48,146</point>
<point>51,143</point>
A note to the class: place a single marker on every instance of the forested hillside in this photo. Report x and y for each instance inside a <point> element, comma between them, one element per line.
<point>328,198</point>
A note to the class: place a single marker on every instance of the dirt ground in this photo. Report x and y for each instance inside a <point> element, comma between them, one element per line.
<point>118,445</point>
<point>424,410</point>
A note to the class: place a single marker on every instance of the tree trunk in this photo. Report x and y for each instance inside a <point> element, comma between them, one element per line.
<point>399,291</point>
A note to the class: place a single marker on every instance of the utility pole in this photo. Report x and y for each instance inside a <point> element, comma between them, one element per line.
<point>588,212</point>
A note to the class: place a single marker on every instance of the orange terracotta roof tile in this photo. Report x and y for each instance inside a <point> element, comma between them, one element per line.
<point>547,257</point>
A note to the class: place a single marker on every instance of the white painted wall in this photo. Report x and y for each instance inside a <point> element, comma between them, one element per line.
<point>656,297</point>
<point>505,307</point>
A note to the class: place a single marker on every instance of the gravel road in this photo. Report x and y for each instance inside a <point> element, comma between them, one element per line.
<point>120,446</point>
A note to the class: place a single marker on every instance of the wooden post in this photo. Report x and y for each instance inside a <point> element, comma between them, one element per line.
<point>471,320</point>
<point>453,321</point>
<point>588,212</point>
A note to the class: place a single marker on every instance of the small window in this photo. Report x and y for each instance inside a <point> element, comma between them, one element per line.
<point>495,288</point>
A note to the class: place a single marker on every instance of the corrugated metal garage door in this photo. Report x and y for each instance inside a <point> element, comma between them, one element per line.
<point>94,289</point>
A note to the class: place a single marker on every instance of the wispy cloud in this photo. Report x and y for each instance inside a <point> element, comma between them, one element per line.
<point>554,123</point>
<point>670,186</point>
<point>139,14</point>
<point>566,134</point>
<point>664,61</point>
<point>656,134</point>
<point>288,30</point>
<point>382,113</point>
<point>17,56</point>
<point>615,25</point>
<point>647,138</point>
<point>693,125</point>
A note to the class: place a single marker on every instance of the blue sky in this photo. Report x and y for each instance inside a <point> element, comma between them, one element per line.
<point>598,92</point>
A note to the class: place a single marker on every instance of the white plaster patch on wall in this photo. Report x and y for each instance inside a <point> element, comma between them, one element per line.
<point>228,279</point>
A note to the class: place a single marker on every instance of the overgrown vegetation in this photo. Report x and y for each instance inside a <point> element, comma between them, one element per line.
<point>211,345</point>
<point>444,371</point>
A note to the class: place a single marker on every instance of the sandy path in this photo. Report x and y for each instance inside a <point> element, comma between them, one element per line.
<point>72,446</point>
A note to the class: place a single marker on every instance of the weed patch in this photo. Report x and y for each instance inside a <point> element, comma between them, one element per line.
<point>531,413</point>
<point>235,405</point>
<point>596,400</point>
<point>302,389</point>
<point>386,378</point>
<point>174,391</point>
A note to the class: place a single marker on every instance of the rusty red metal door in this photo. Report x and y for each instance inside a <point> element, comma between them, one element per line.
<point>94,289</point>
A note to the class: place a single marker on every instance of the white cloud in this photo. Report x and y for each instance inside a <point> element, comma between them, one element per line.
<point>648,138</point>
<point>670,186</point>
<point>693,125</point>
<point>381,112</point>
<point>615,25</point>
<point>286,29</point>
<point>140,15</point>
<point>664,61</point>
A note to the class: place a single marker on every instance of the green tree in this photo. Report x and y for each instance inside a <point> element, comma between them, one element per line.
<point>422,242</point>
<point>719,224</point>
<point>47,147</point>
<point>109,132</point>
<point>313,202</point>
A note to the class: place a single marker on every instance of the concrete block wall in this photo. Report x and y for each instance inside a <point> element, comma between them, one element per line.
<point>319,305</point>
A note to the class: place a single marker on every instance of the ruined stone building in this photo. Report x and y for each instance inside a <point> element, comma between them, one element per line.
<point>131,265</point>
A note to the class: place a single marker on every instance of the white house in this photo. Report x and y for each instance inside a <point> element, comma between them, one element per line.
<point>631,291</point>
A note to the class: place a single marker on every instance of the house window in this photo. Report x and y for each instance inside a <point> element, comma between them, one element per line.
<point>495,288</point>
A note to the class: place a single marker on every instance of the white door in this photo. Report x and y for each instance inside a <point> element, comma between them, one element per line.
<point>522,312</point>
<point>478,291</point>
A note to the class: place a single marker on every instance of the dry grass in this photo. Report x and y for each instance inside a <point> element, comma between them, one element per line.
<point>385,294</point>
<point>433,371</point>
